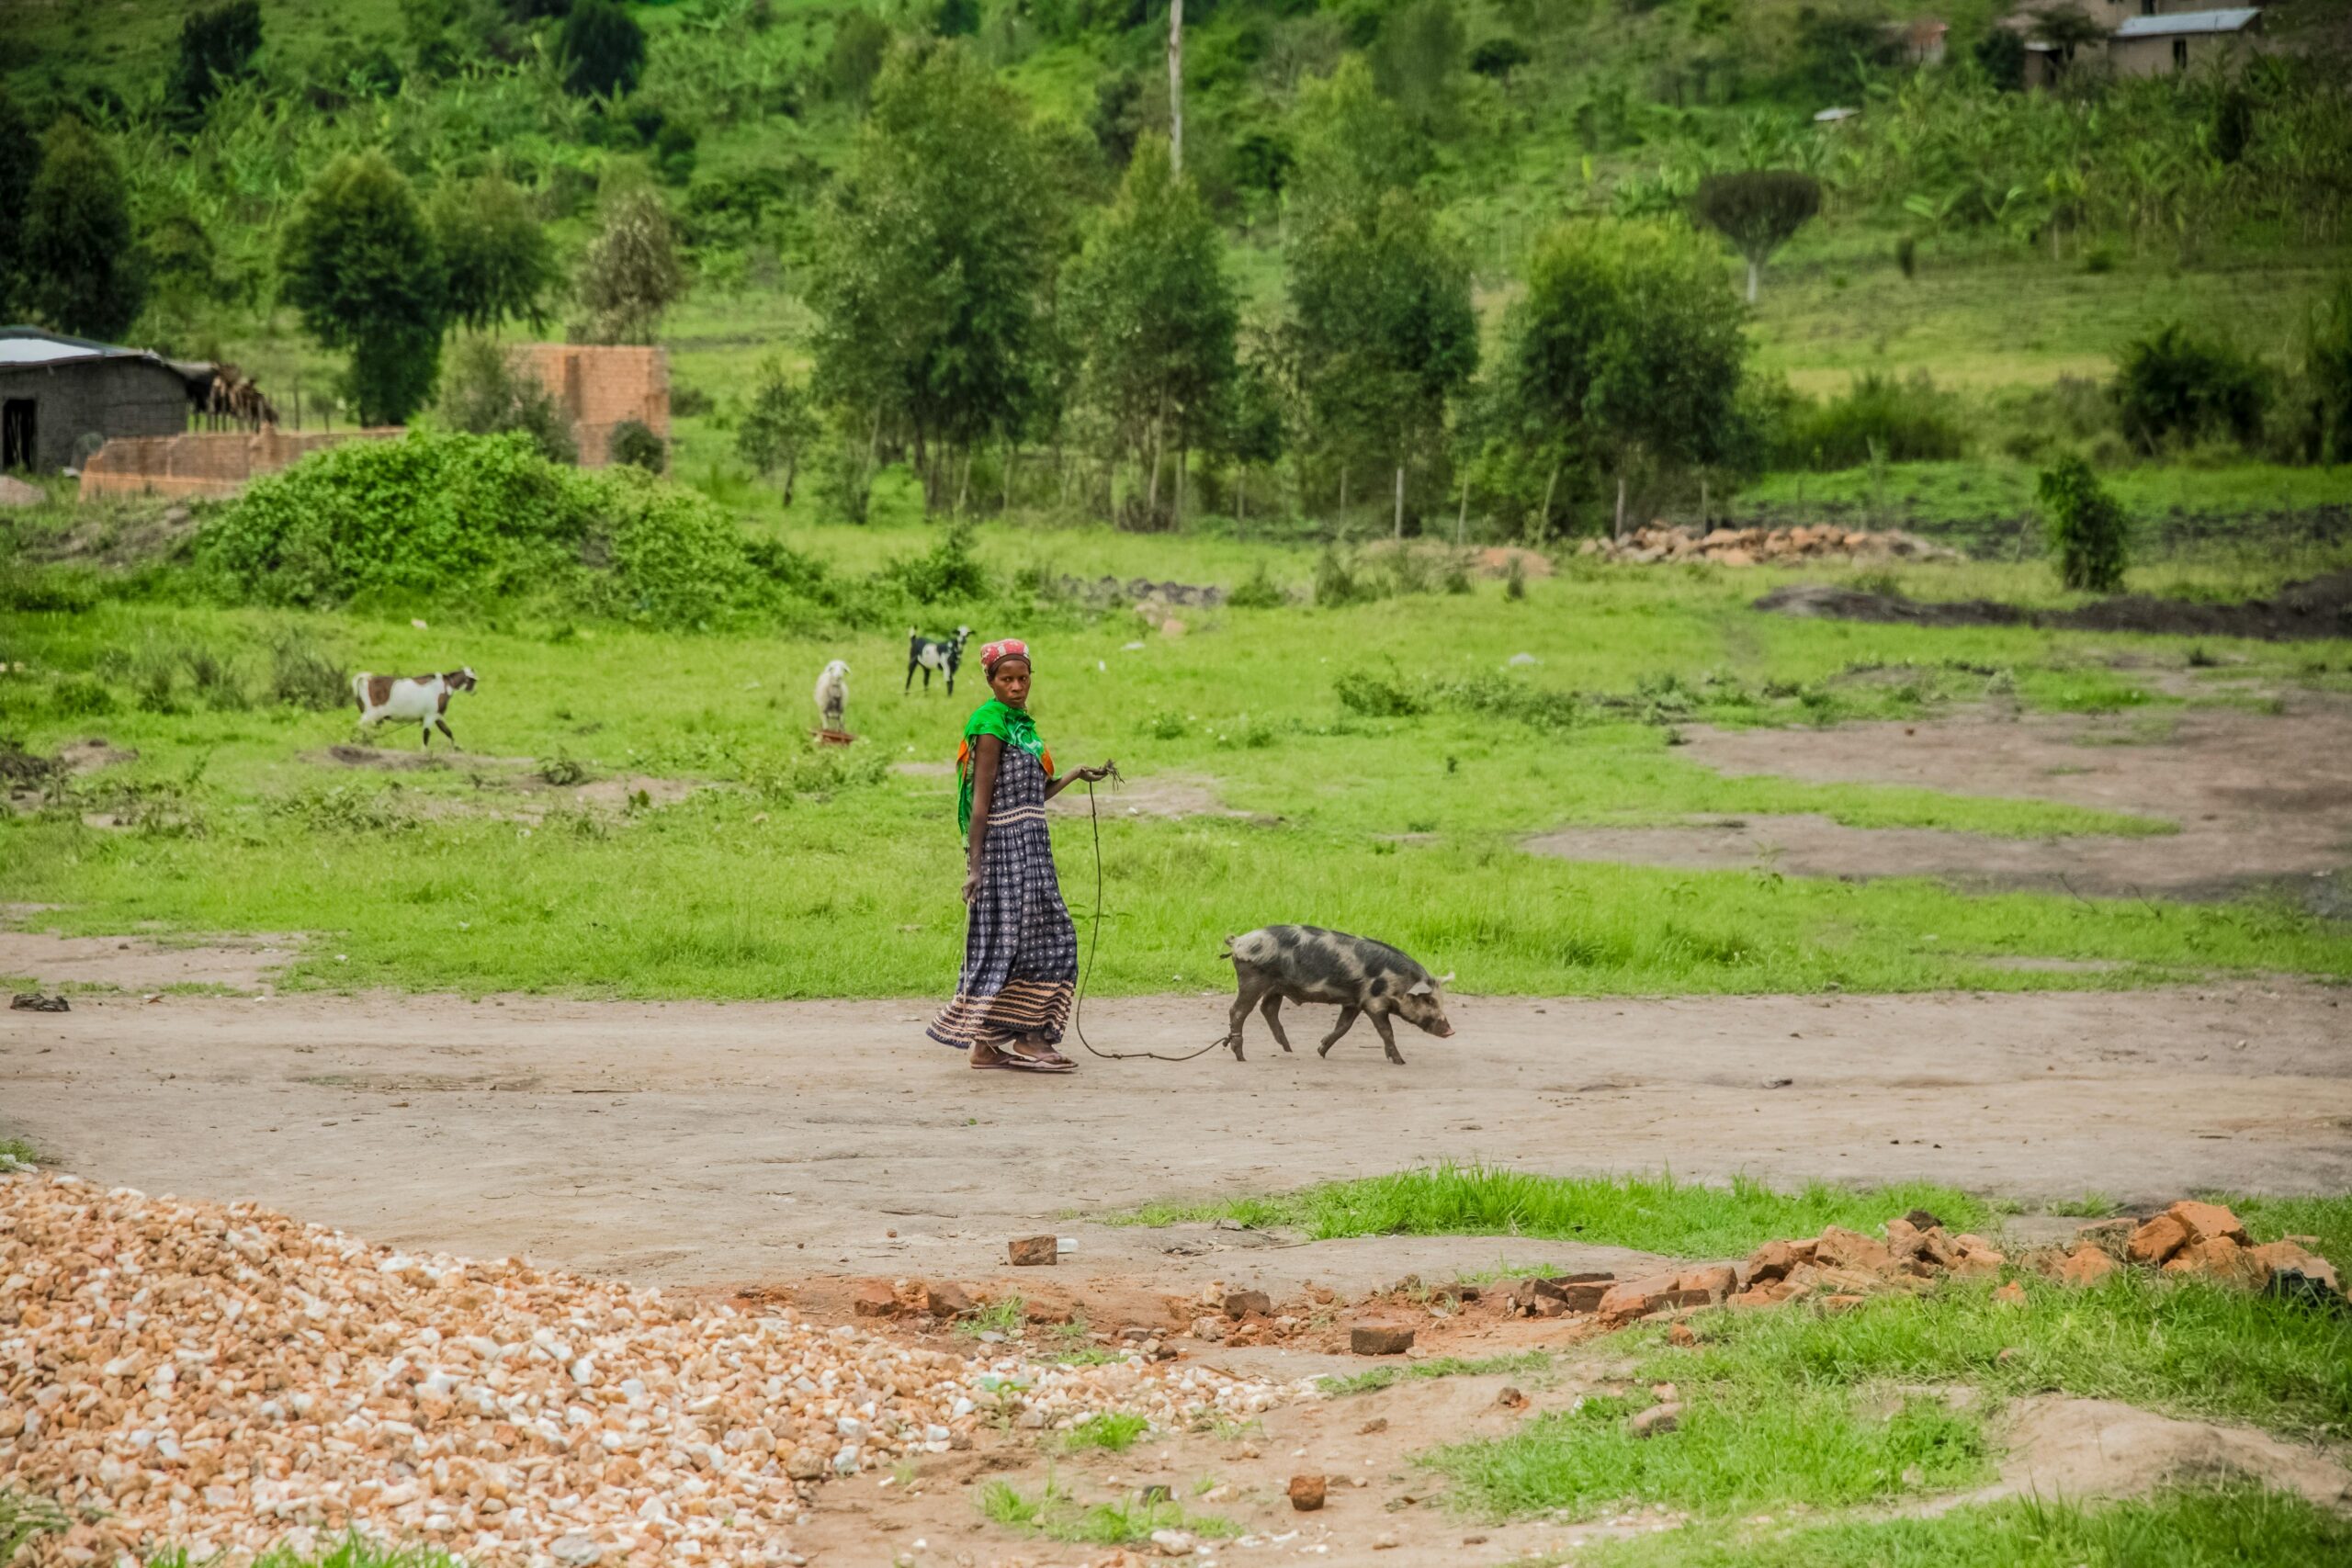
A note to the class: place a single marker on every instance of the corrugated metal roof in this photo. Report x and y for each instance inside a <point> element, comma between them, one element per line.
<point>31,345</point>
<point>2233,21</point>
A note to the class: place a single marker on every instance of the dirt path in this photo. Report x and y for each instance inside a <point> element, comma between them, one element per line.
<point>2259,798</point>
<point>703,1143</point>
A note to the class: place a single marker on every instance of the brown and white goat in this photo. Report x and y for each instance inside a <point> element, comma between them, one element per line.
<point>422,699</point>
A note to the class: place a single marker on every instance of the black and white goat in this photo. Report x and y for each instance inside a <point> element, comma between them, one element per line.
<point>420,699</point>
<point>924,654</point>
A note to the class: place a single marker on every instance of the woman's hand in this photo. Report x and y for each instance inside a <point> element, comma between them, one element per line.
<point>1089,775</point>
<point>972,883</point>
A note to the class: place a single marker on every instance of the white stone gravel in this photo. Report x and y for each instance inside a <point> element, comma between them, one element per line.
<point>225,1378</point>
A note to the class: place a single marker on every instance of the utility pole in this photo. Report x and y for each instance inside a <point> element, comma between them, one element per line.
<point>1176,87</point>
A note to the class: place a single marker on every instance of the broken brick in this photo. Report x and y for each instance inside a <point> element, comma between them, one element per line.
<point>2208,1221</point>
<point>1034,1251</point>
<point>1307,1492</point>
<point>1379,1339</point>
<point>1841,1248</point>
<point>1630,1299</point>
<point>2293,1257</point>
<point>2157,1240</point>
<point>2222,1261</point>
<point>1243,1303</point>
<point>2086,1265</point>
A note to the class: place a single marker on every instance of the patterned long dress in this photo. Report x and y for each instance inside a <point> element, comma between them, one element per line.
<point>1020,951</point>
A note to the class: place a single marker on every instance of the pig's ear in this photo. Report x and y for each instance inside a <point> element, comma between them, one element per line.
<point>1421,989</point>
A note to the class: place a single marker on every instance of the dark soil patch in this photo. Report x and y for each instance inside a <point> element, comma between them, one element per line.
<point>2320,607</point>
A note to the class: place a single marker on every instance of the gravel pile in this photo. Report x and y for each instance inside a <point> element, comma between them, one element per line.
<point>224,1379</point>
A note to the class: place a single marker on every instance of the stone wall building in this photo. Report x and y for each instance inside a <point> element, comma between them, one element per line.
<point>61,398</point>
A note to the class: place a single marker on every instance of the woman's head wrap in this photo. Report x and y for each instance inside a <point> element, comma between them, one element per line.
<point>995,653</point>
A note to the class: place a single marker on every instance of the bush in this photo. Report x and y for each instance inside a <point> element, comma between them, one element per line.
<point>303,675</point>
<point>482,514</point>
<point>2088,530</point>
<point>489,391</point>
<point>1336,581</point>
<point>2327,366</point>
<point>951,569</point>
<point>1379,696</point>
<point>81,696</point>
<point>602,50</point>
<point>634,445</point>
<point>1259,590</point>
<point>2174,388</point>
<point>1880,418</point>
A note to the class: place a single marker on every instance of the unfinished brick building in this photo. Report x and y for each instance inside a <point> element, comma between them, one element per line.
<point>602,387</point>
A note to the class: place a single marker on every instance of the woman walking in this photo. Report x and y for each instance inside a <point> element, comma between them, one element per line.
<point>1020,953</point>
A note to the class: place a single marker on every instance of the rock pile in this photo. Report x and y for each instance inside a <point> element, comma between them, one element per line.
<point>1751,547</point>
<point>223,1378</point>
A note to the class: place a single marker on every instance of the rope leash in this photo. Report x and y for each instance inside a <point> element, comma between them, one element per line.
<point>1094,941</point>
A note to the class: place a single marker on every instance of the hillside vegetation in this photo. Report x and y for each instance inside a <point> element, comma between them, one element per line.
<point>1981,259</point>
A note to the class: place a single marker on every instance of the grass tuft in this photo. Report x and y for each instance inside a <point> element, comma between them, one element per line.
<point>2240,1525</point>
<point>1654,1214</point>
<point>1111,1431</point>
<point>1377,1378</point>
<point>1127,1521</point>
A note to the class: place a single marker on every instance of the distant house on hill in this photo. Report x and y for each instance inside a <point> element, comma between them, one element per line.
<point>2145,38</point>
<point>62,397</point>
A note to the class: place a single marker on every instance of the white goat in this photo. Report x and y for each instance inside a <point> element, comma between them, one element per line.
<point>832,695</point>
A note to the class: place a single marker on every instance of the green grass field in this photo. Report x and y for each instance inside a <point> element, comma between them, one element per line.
<point>801,876</point>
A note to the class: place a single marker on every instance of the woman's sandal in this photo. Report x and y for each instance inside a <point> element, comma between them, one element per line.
<point>1015,1062</point>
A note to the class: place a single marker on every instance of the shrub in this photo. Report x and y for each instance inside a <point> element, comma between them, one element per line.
<point>2088,529</point>
<point>601,49</point>
<point>486,515</point>
<point>1757,210</point>
<point>1880,418</point>
<point>81,696</point>
<point>302,675</point>
<point>1336,581</point>
<point>634,445</point>
<point>1259,590</point>
<point>2327,366</point>
<point>1379,696</point>
<point>950,569</point>
<point>1906,255</point>
<point>2174,388</point>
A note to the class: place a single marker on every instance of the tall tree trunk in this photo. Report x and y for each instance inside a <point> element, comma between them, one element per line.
<point>1343,493</point>
<point>1184,472</point>
<point>1703,524</point>
<point>1462,518</point>
<point>1400,501</point>
<point>1011,450</point>
<point>1176,87</point>
<point>1752,270</point>
<point>1241,499</point>
<point>963,480</point>
<point>1544,527</point>
<point>791,472</point>
<point>1621,503</point>
<point>1151,496</point>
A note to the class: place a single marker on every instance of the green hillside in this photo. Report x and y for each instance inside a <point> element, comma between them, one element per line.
<point>2008,246</point>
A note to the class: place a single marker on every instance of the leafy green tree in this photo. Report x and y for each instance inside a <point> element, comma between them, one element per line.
<point>602,50</point>
<point>499,264</point>
<point>79,264</point>
<point>1383,321</point>
<point>488,391</point>
<point>778,427</point>
<point>359,261</point>
<point>956,19</point>
<point>2089,531</point>
<point>1758,210</point>
<point>940,242</point>
<point>630,274</point>
<point>1418,50</point>
<point>217,46</point>
<point>19,165</point>
<point>2067,28</point>
<point>1149,299</point>
<point>861,42</point>
<point>1627,347</point>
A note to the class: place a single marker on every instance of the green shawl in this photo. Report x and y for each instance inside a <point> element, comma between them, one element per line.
<point>1010,724</point>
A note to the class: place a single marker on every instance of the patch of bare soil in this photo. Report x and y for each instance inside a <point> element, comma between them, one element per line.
<point>2318,607</point>
<point>124,534</point>
<point>1172,796</point>
<point>2081,1449</point>
<point>132,964</point>
<point>2260,799</point>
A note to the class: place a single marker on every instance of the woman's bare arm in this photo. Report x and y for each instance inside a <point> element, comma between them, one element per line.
<point>988,755</point>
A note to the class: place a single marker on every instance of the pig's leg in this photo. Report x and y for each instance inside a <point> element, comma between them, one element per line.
<point>1347,1022</point>
<point>1273,1008</point>
<point>1241,1006</point>
<point>1388,1037</point>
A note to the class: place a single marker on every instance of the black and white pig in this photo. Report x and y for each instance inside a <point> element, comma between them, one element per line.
<point>1307,964</point>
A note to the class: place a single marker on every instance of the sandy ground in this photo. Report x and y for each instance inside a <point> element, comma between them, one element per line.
<point>2260,799</point>
<point>699,1142</point>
